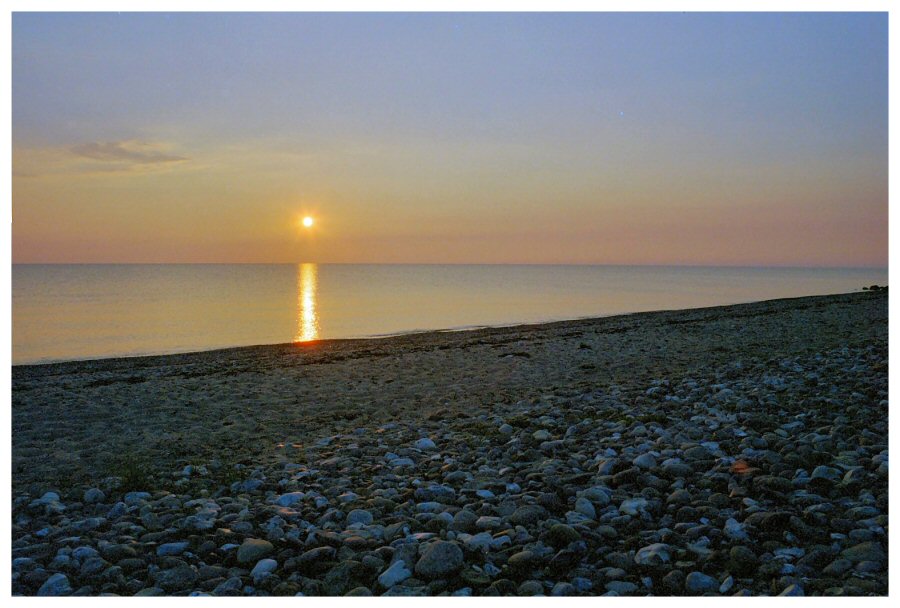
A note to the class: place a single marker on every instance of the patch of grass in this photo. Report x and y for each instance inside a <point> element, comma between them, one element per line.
<point>134,470</point>
<point>657,417</point>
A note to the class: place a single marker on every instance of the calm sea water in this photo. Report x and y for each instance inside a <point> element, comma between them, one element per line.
<point>63,312</point>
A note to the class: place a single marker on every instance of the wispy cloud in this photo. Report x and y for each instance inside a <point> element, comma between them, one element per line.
<point>129,151</point>
<point>125,156</point>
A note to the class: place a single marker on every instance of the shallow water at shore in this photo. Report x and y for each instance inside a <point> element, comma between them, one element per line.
<point>63,312</point>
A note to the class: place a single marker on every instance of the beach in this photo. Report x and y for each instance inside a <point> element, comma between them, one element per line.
<point>734,450</point>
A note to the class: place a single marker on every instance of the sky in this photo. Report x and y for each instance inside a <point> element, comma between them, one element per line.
<point>602,138</point>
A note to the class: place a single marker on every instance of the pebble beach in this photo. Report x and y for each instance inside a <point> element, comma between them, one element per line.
<point>728,451</point>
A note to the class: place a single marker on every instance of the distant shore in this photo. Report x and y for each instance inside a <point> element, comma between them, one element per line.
<point>588,457</point>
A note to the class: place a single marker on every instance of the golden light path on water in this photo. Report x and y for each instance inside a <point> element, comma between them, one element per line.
<point>307,318</point>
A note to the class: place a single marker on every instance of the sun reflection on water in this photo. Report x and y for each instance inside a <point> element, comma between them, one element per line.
<point>307,291</point>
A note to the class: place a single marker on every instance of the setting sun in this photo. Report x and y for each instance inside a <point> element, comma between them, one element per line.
<point>307,222</point>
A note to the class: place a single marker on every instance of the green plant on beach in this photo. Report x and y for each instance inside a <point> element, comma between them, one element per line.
<point>133,470</point>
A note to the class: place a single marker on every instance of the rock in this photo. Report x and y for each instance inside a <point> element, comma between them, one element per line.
<point>359,516</point>
<point>230,587</point>
<point>527,515</point>
<point>621,587</point>
<point>586,508</point>
<point>425,444</point>
<point>645,461</point>
<point>563,589</point>
<point>633,506</point>
<point>254,549</point>
<point>57,584</point>
<point>487,522</point>
<point>521,562</point>
<point>742,561</point>
<point>464,521</point>
<point>698,583</point>
<point>653,555</point>
<point>172,548</point>
<point>674,468</point>
<point>133,499</point>
<point>176,579</point>
<point>92,567</point>
<point>870,551</point>
<point>358,592</point>
<point>735,530</point>
<point>541,435</point>
<point>792,590</point>
<point>827,474</point>
<point>262,569</point>
<point>93,496</point>
<point>530,588</point>
<point>597,495</point>
<point>560,535</point>
<point>290,499</point>
<point>837,567</point>
<point>679,497</point>
<point>440,559</point>
<point>396,573</point>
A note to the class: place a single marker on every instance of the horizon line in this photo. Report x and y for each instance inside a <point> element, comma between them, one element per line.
<point>644,265</point>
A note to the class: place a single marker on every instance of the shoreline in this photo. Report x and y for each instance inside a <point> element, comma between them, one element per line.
<point>727,450</point>
<point>404,334</point>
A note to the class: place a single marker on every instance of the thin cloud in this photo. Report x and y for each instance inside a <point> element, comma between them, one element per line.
<point>132,152</point>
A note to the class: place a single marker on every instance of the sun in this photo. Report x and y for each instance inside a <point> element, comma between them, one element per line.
<point>307,222</point>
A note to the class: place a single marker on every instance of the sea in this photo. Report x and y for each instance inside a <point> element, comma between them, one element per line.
<point>66,312</point>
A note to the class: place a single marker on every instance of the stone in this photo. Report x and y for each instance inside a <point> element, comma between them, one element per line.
<point>541,435</point>
<point>262,569</point>
<point>358,592</point>
<point>254,549</point>
<point>560,535</point>
<point>425,444</point>
<point>837,567</point>
<point>56,585</point>
<point>521,562</point>
<point>527,515</point>
<point>653,555</point>
<point>698,583</point>
<point>621,587</point>
<point>530,588</point>
<point>586,508</point>
<point>645,461</point>
<point>396,573</point>
<point>735,530</point>
<point>633,506</point>
<point>870,551</point>
<point>93,496</point>
<point>439,559</point>
<point>172,548</point>
<point>792,590</point>
<point>359,516</point>
<point>179,578</point>
<point>563,589</point>
<point>487,522</point>
<point>289,499</point>
<point>464,521</point>
<point>230,587</point>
